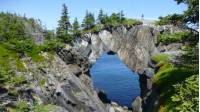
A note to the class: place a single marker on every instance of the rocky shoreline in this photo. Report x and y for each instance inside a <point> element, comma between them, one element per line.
<point>63,79</point>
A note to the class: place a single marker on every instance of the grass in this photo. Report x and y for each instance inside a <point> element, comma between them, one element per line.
<point>43,108</point>
<point>20,65</point>
<point>161,57</point>
<point>22,106</point>
<point>168,74</point>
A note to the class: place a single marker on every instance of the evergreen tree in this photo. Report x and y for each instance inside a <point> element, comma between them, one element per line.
<point>76,28</point>
<point>122,18</point>
<point>89,20</point>
<point>64,25</point>
<point>100,16</point>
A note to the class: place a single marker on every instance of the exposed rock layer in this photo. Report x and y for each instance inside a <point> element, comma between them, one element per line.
<point>67,80</point>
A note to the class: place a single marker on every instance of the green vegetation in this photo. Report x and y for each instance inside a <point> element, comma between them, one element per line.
<point>184,36</point>
<point>106,22</point>
<point>175,19</point>
<point>131,22</point>
<point>186,98</point>
<point>67,32</point>
<point>172,79</point>
<point>88,21</point>
<point>161,57</point>
<point>16,42</point>
<point>64,26</point>
<point>76,28</point>
<point>190,17</point>
<point>43,108</point>
<point>22,106</point>
<point>176,82</point>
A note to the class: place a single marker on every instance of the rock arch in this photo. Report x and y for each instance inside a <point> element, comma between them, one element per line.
<point>133,46</point>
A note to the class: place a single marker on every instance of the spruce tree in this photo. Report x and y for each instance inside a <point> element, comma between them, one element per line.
<point>122,18</point>
<point>100,16</point>
<point>89,20</point>
<point>64,25</point>
<point>76,27</point>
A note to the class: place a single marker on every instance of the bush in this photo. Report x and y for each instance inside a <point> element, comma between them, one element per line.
<point>161,57</point>
<point>167,38</point>
<point>186,98</point>
<point>21,106</point>
<point>43,108</point>
<point>131,22</point>
<point>53,44</point>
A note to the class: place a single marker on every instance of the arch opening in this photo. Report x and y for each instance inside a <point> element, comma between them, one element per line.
<point>110,75</point>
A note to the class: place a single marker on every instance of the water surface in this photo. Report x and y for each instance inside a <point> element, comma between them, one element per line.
<point>111,75</point>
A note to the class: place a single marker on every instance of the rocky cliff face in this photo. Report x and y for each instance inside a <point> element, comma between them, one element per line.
<point>134,46</point>
<point>63,79</point>
<point>60,80</point>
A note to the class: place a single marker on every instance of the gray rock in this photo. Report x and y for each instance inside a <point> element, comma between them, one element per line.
<point>137,105</point>
<point>134,46</point>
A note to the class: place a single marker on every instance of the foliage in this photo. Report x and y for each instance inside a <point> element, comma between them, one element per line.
<point>167,38</point>
<point>49,34</point>
<point>174,19</point>
<point>21,106</point>
<point>64,26</point>
<point>53,44</point>
<point>107,22</point>
<point>190,17</point>
<point>186,97</point>
<point>89,21</point>
<point>42,82</point>
<point>131,22</point>
<point>177,74</point>
<point>76,28</point>
<point>43,108</point>
<point>101,17</point>
<point>161,57</point>
<point>11,26</point>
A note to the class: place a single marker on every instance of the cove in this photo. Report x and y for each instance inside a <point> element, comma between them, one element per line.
<point>115,79</point>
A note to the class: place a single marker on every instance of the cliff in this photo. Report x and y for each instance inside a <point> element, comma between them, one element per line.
<point>62,79</point>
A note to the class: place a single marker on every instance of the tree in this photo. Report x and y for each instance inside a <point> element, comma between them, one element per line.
<point>64,25</point>
<point>100,16</point>
<point>191,15</point>
<point>122,18</point>
<point>76,28</point>
<point>189,19</point>
<point>89,20</point>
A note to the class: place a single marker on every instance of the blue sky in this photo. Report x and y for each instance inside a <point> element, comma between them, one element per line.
<point>49,11</point>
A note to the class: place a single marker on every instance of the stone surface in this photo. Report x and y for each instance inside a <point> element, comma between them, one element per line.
<point>66,79</point>
<point>134,46</point>
<point>137,105</point>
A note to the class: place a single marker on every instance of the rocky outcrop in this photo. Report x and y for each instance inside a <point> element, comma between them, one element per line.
<point>133,46</point>
<point>64,80</point>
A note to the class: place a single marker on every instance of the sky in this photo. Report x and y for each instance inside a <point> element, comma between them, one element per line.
<point>49,11</point>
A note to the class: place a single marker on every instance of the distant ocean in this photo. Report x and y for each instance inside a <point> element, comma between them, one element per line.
<point>112,76</point>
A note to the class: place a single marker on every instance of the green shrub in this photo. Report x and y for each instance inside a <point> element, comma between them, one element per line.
<point>161,57</point>
<point>168,38</point>
<point>42,82</point>
<point>21,106</point>
<point>43,108</point>
<point>174,19</point>
<point>131,22</point>
<point>20,65</point>
<point>186,97</point>
<point>53,44</point>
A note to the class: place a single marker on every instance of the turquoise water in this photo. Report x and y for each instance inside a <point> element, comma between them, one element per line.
<point>112,76</point>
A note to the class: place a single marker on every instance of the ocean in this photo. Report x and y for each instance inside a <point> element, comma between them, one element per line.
<point>110,75</point>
